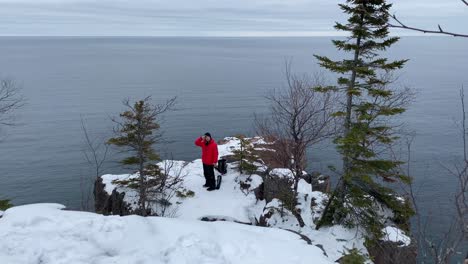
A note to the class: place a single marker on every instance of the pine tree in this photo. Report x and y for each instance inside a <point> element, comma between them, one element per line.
<point>137,132</point>
<point>366,128</point>
<point>245,156</point>
<point>353,256</point>
<point>5,204</point>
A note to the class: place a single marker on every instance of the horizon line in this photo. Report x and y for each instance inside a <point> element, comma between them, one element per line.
<point>203,36</point>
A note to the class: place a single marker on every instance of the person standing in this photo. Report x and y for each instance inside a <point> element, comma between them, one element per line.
<point>209,159</point>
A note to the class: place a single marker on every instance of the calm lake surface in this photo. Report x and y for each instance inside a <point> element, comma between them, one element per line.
<point>220,83</point>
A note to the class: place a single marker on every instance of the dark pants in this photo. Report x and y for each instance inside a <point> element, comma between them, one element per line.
<point>208,171</point>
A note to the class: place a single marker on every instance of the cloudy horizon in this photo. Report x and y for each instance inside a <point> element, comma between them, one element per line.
<point>205,17</point>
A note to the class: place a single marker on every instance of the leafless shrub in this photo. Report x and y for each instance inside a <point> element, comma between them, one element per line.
<point>95,152</point>
<point>10,100</point>
<point>443,249</point>
<point>299,118</point>
<point>170,182</point>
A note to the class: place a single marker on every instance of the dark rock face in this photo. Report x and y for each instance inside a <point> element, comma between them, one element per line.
<point>106,204</point>
<point>229,158</point>
<point>263,221</point>
<point>100,196</point>
<point>277,187</point>
<point>320,183</point>
<point>259,192</point>
<point>222,219</point>
<point>385,252</point>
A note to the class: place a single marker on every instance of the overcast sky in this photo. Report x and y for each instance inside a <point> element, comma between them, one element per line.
<point>205,17</point>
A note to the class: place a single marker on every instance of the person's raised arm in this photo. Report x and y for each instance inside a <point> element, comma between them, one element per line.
<point>199,141</point>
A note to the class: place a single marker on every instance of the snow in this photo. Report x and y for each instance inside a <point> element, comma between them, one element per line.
<point>283,172</point>
<point>260,141</point>
<point>74,237</point>
<point>233,143</point>
<point>1,213</point>
<point>227,148</point>
<point>255,181</point>
<point>265,149</point>
<point>229,202</point>
<point>334,240</point>
<point>303,187</point>
<point>232,204</point>
<point>43,233</point>
<point>109,178</point>
<point>394,234</point>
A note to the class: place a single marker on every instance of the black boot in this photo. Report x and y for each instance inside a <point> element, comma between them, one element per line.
<point>211,185</point>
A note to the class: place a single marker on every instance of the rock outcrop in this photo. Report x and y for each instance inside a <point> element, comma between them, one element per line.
<point>320,182</point>
<point>106,204</point>
<point>277,186</point>
<point>387,252</point>
<point>279,207</point>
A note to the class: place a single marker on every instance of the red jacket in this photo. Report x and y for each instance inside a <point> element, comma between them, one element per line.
<point>209,152</point>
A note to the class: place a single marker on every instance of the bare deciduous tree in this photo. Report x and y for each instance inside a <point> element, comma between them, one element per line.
<point>170,182</point>
<point>442,248</point>
<point>10,100</point>
<point>299,117</point>
<point>95,153</point>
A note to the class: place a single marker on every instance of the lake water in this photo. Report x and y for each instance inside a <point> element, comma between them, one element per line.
<point>220,83</point>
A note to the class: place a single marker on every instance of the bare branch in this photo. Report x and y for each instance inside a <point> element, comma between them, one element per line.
<point>10,100</point>
<point>462,98</point>
<point>400,24</point>
<point>299,117</point>
<point>445,248</point>
<point>95,154</point>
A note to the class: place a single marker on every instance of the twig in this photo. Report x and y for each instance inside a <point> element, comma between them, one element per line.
<point>462,97</point>
<point>440,31</point>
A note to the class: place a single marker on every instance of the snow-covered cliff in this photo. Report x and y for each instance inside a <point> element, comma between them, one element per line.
<point>45,234</point>
<point>240,223</point>
<point>237,201</point>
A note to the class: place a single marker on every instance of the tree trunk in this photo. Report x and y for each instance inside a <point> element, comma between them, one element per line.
<point>349,105</point>
<point>142,194</point>
<point>341,186</point>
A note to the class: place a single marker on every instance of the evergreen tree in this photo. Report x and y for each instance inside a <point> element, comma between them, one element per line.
<point>5,204</point>
<point>367,130</point>
<point>353,256</point>
<point>245,156</point>
<point>137,132</point>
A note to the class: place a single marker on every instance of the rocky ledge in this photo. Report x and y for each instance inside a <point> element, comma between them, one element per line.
<point>258,200</point>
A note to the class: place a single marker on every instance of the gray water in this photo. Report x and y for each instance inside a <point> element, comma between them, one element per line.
<point>220,83</point>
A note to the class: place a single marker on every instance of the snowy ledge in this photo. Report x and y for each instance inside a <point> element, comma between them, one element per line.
<point>44,233</point>
<point>396,235</point>
<point>236,204</point>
